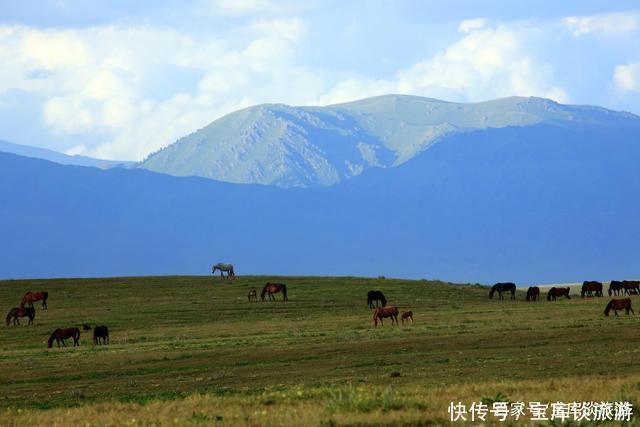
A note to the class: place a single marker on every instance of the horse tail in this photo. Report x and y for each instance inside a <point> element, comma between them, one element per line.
<point>264,291</point>
<point>23,301</point>
<point>284,292</point>
<point>383,299</point>
<point>549,295</point>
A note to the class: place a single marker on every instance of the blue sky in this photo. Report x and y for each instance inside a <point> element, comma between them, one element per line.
<point>121,79</point>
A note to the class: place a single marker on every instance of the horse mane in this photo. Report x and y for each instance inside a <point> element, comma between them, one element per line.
<point>11,312</point>
<point>52,337</point>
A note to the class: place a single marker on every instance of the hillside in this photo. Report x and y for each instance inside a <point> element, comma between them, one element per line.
<point>543,203</point>
<point>275,144</point>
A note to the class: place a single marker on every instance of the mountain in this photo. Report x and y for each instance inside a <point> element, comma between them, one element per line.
<point>554,200</point>
<point>275,144</point>
<point>63,159</point>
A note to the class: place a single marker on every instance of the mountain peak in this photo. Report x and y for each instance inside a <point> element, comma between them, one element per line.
<point>278,144</point>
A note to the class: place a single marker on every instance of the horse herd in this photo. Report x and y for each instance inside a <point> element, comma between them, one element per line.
<point>27,309</point>
<point>589,289</point>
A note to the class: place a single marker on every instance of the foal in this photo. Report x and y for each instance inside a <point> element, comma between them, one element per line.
<point>406,316</point>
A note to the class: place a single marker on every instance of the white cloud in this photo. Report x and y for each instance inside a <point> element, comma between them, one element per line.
<point>471,24</point>
<point>627,77</point>
<point>483,64</point>
<point>606,24</point>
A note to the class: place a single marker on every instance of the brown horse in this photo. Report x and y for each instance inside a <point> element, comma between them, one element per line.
<point>407,315</point>
<point>30,297</point>
<point>619,304</point>
<point>533,293</point>
<point>631,287</point>
<point>16,312</point>
<point>558,292</point>
<point>274,288</point>
<point>381,312</point>
<point>252,295</point>
<point>589,287</point>
<point>503,287</point>
<point>62,334</point>
<point>100,332</point>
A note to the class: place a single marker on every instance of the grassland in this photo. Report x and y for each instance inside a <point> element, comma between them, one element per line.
<point>193,351</point>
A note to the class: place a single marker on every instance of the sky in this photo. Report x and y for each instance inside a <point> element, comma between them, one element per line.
<point>119,79</point>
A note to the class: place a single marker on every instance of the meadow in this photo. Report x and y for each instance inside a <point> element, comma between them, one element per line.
<point>192,350</point>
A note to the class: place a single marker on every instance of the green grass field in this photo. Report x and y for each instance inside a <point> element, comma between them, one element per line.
<point>193,351</point>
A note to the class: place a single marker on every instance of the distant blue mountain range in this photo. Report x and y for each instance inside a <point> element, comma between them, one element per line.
<point>549,201</point>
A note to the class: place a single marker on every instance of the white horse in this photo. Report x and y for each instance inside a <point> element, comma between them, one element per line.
<point>224,268</point>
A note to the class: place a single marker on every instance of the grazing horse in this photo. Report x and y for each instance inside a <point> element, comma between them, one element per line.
<point>30,297</point>
<point>376,296</point>
<point>62,334</point>
<point>533,293</point>
<point>253,295</point>
<point>558,292</point>
<point>16,312</point>
<point>503,287</point>
<point>619,304</point>
<point>100,332</point>
<point>274,288</point>
<point>615,287</point>
<point>224,268</point>
<point>381,312</point>
<point>631,287</point>
<point>407,315</point>
<point>589,287</point>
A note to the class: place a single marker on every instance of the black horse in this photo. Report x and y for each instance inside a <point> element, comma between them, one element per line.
<point>376,296</point>
<point>503,287</point>
<point>100,332</point>
<point>558,292</point>
<point>589,287</point>
<point>615,287</point>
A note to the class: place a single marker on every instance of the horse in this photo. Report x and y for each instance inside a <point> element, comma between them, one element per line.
<point>619,304</point>
<point>533,293</point>
<point>615,287</point>
<point>589,287</point>
<point>376,296</point>
<point>407,315</point>
<point>16,312</point>
<point>274,288</point>
<point>380,312</point>
<point>100,332</point>
<point>558,292</point>
<point>86,327</point>
<point>503,287</point>
<point>631,287</point>
<point>30,297</point>
<point>224,268</point>
<point>62,334</point>
<point>253,295</point>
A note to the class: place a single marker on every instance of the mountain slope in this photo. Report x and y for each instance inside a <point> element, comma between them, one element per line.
<point>317,146</point>
<point>54,156</point>
<point>549,202</point>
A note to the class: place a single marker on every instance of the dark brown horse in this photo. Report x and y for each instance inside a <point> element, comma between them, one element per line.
<point>619,304</point>
<point>16,312</point>
<point>588,288</point>
<point>62,334</point>
<point>503,287</point>
<point>252,295</point>
<point>376,296</point>
<point>274,288</point>
<point>381,312</point>
<point>615,287</point>
<point>558,292</point>
<point>30,297</point>
<point>533,293</point>
<point>631,287</point>
<point>406,316</point>
<point>100,332</point>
